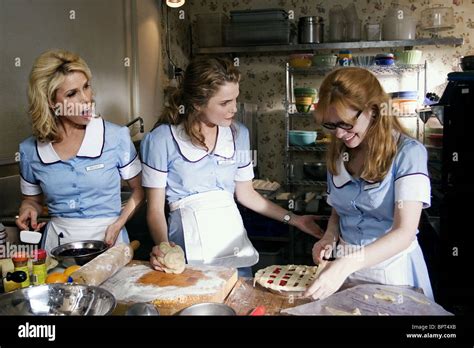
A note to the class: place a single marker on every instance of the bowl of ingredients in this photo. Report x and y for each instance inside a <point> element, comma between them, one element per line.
<point>78,253</point>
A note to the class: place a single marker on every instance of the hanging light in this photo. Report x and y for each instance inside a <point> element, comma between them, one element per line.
<point>175,3</point>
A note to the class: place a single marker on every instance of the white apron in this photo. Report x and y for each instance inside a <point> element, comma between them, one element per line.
<point>214,233</point>
<point>393,271</point>
<point>74,229</point>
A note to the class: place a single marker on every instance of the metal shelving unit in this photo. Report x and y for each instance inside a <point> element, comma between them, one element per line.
<point>396,69</point>
<point>446,41</point>
<point>315,148</point>
<point>291,114</point>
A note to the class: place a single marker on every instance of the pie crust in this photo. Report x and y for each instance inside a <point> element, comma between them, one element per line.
<point>292,279</point>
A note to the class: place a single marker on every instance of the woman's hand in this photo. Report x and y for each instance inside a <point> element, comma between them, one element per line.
<point>112,232</point>
<point>307,224</point>
<point>28,217</point>
<point>330,279</point>
<point>322,250</point>
<point>155,254</point>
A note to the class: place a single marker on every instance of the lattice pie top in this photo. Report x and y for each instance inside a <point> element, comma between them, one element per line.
<point>286,278</point>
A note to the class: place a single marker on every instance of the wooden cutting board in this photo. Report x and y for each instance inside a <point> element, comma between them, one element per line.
<point>138,282</point>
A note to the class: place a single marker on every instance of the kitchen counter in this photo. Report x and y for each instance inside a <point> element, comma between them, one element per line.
<point>244,298</point>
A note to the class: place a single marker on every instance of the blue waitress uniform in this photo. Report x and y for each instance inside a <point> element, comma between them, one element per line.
<point>204,218</point>
<point>366,212</point>
<point>82,193</point>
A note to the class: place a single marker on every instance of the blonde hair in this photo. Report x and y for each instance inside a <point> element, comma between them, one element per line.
<point>359,89</point>
<point>47,74</point>
<point>202,79</point>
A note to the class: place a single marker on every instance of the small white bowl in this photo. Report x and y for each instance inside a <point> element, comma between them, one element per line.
<point>31,237</point>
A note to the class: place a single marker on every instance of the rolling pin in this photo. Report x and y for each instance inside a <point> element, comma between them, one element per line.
<point>104,266</point>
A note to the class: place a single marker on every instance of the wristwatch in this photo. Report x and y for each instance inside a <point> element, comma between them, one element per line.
<point>287,218</point>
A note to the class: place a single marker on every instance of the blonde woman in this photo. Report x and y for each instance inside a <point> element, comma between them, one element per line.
<point>75,160</point>
<point>377,184</point>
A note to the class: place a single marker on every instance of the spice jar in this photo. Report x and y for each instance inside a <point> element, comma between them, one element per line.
<point>20,262</point>
<point>39,267</point>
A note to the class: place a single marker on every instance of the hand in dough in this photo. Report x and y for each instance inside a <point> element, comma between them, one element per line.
<point>173,259</point>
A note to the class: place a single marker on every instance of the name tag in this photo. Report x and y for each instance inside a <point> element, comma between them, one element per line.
<point>225,162</point>
<point>371,186</point>
<point>95,167</point>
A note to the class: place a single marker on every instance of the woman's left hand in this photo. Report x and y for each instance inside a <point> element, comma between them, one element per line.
<point>329,281</point>
<point>112,232</point>
<point>307,224</point>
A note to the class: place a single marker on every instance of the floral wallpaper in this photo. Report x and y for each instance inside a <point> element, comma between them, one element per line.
<point>263,81</point>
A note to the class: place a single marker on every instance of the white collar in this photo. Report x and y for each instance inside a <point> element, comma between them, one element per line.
<point>91,147</point>
<point>343,177</point>
<point>225,145</point>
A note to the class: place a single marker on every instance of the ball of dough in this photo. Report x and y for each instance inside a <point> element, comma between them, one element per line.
<point>173,259</point>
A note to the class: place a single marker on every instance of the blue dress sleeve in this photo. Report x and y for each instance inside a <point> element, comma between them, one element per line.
<point>128,160</point>
<point>28,183</point>
<point>243,154</point>
<point>412,181</point>
<point>154,153</point>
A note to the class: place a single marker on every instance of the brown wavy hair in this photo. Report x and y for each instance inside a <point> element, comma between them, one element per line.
<point>202,79</point>
<point>47,74</point>
<point>359,89</point>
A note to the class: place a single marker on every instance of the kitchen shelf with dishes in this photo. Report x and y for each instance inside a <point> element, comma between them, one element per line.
<point>376,69</point>
<point>314,47</point>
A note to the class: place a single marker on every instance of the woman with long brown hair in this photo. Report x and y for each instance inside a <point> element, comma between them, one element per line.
<point>197,158</point>
<point>377,185</point>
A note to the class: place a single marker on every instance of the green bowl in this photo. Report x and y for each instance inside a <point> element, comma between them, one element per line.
<point>305,91</point>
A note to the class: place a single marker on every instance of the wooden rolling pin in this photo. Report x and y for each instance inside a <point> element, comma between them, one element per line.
<point>104,266</point>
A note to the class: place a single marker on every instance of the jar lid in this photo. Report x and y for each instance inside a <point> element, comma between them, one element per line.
<point>39,254</point>
<point>345,52</point>
<point>20,257</point>
<point>316,19</point>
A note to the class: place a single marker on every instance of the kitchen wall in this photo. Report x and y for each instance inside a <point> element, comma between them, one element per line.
<point>263,79</point>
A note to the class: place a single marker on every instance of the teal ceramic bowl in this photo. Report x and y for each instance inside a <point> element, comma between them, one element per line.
<point>302,138</point>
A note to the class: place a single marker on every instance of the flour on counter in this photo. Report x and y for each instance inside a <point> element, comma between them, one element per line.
<point>123,285</point>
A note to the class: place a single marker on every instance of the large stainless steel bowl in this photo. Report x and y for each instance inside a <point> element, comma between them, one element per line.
<point>58,299</point>
<point>78,253</point>
<point>208,309</point>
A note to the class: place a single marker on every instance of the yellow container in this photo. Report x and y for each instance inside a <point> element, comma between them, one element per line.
<point>300,60</point>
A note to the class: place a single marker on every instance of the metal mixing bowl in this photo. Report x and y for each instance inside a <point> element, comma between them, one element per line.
<point>78,253</point>
<point>58,299</point>
<point>208,309</point>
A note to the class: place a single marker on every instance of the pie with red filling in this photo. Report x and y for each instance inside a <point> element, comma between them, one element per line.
<point>287,278</point>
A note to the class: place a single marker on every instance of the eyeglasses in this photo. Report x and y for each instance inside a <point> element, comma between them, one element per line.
<point>342,125</point>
